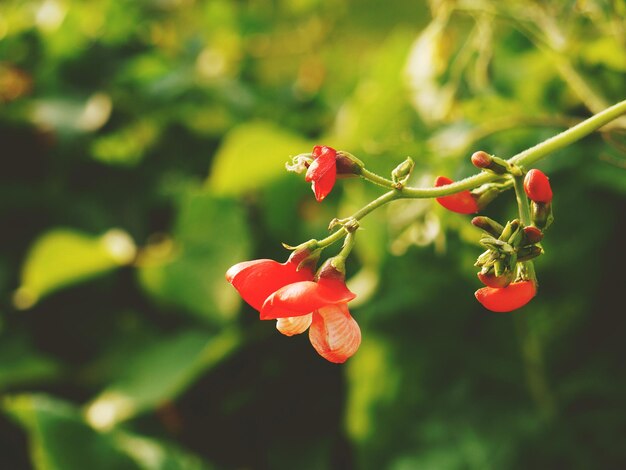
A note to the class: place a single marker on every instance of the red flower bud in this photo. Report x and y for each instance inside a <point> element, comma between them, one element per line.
<point>282,292</point>
<point>491,280</point>
<point>463,202</point>
<point>481,159</point>
<point>537,186</point>
<point>532,235</point>
<point>322,173</point>
<point>506,299</point>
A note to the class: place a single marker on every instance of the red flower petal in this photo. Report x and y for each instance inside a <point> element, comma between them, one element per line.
<point>301,298</point>
<point>537,186</point>
<point>506,299</point>
<point>463,202</point>
<point>294,325</point>
<point>334,334</point>
<point>322,172</point>
<point>257,279</point>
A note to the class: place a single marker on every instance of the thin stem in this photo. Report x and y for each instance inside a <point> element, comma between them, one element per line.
<point>375,204</point>
<point>524,217</point>
<point>527,157</point>
<point>348,244</point>
<point>376,179</point>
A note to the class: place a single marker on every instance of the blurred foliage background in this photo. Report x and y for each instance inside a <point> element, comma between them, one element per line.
<point>143,145</point>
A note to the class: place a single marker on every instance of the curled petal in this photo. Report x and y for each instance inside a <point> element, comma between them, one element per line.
<point>463,202</point>
<point>334,334</point>
<point>506,299</point>
<point>299,163</point>
<point>294,325</point>
<point>322,172</point>
<point>256,280</point>
<point>301,298</point>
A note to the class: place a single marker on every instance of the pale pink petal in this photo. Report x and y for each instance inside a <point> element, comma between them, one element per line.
<point>334,334</point>
<point>294,325</point>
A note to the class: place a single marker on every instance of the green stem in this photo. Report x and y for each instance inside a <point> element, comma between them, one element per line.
<point>531,346</point>
<point>525,219</point>
<point>525,158</point>
<point>376,179</point>
<point>348,244</point>
<point>375,204</point>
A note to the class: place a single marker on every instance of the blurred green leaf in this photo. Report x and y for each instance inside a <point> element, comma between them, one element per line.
<point>605,51</point>
<point>373,381</point>
<point>126,147</point>
<point>156,455</point>
<point>252,156</point>
<point>210,235</point>
<point>63,257</point>
<point>156,374</point>
<point>377,115</point>
<point>60,439</point>
<point>21,364</point>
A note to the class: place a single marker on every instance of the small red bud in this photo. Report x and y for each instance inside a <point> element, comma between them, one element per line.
<point>322,173</point>
<point>481,159</point>
<point>537,186</point>
<point>462,202</point>
<point>532,235</point>
<point>491,280</point>
<point>506,299</point>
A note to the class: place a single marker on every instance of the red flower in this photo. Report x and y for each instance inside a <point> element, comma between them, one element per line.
<point>257,279</point>
<point>289,295</point>
<point>506,299</point>
<point>333,332</point>
<point>537,186</point>
<point>463,202</point>
<point>323,171</point>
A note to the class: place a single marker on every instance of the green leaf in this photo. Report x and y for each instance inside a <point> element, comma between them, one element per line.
<point>157,455</point>
<point>372,383</point>
<point>252,156</point>
<point>157,374</point>
<point>62,257</point>
<point>20,364</point>
<point>210,235</point>
<point>127,146</point>
<point>60,439</point>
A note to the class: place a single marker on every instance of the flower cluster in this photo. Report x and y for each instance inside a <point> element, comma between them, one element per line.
<point>299,297</point>
<point>509,282</point>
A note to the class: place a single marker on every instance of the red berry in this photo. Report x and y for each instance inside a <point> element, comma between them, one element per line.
<point>463,202</point>
<point>537,186</point>
<point>506,299</point>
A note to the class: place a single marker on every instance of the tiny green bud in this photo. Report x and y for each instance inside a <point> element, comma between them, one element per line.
<point>541,214</point>
<point>402,172</point>
<point>488,225</point>
<point>528,252</point>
